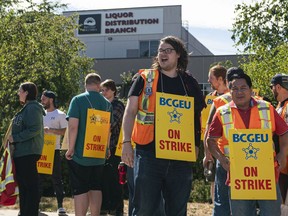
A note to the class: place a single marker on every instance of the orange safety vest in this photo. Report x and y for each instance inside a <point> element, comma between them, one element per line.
<point>222,100</point>
<point>284,116</point>
<point>143,130</point>
<point>262,116</point>
<point>218,102</point>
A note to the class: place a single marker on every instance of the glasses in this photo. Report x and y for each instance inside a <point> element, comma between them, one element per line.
<point>166,51</point>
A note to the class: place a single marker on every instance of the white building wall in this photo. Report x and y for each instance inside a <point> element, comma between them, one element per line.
<point>105,45</point>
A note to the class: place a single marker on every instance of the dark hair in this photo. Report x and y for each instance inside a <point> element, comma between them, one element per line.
<point>50,94</point>
<point>31,88</point>
<point>219,71</point>
<point>241,76</point>
<point>180,49</point>
<point>231,71</point>
<point>92,78</point>
<point>110,84</point>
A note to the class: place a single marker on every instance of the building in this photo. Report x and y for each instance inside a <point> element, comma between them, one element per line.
<point>122,40</point>
<point>132,32</point>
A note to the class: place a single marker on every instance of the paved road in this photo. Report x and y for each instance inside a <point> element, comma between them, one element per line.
<point>12,212</point>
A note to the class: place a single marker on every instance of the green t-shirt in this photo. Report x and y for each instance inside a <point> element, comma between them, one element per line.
<point>78,109</point>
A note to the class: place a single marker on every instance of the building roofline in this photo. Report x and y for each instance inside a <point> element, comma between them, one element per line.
<point>164,6</point>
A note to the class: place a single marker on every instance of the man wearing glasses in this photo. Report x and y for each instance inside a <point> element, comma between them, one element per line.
<point>244,112</point>
<point>156,178</point>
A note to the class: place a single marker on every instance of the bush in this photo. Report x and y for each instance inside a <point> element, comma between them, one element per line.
<point>200,191</point>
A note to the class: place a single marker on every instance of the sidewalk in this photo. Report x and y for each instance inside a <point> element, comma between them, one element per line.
<point>12,212</point>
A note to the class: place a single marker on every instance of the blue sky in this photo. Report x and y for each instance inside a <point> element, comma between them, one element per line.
<point>209,20</point>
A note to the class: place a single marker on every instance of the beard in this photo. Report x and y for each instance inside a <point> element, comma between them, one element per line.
<point>47,105</point>
<point>275,94</point>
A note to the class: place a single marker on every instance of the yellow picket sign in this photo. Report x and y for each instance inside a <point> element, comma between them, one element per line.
<point>255,92</point>
<point>97,133</point>
<point>205,114</point>
<point>118,151</point>
<point>45,164</point>
<point>252,164</point>
<point>174,127</point>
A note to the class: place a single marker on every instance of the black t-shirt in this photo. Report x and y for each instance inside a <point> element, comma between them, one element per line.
<point>174,86</point>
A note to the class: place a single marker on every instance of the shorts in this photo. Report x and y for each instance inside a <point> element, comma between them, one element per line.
<point>85,178</point>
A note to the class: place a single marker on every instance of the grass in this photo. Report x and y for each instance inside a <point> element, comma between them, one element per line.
<point>49,204</point>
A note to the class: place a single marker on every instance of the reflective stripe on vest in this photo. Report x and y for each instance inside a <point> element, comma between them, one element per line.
<point>222,100</point>
<point>145,117</point>
<point>284,112</point>
<point>226,98</point>
<point>143,130</point>
<point>150,76</point>
<point>227,120</point>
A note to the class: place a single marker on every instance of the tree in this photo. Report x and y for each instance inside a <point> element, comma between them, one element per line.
<point>262,29</point>
<point>261,24</point>
<point>40,46</point>
<point>263,65</point>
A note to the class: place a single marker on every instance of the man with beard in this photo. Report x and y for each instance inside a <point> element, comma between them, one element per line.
<point>217,80</point>
<point>55,123</point>
<point>155,178</point>
<point>279,87</point>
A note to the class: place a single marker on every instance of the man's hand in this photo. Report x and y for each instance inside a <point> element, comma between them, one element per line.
<point>128,154</point>
<point>207,157</point>
<point>46,130</point>
<point>10,139</point>
<point>69,154</point>
<point>281,159</point>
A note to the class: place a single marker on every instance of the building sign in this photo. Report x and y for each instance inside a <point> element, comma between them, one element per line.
<point>122,22</point>
<point>90,24</point>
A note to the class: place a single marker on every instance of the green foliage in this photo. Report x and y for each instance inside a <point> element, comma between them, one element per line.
<point>200,191</point>
<point>263,65</point>
<point>127,79</point>
<point>40,46</point>
<point>261,24</point>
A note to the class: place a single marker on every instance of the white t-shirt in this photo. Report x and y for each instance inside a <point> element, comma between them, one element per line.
<point>57,120</point>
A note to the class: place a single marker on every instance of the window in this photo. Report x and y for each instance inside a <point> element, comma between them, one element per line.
<point>148,48</point>
<point>205,88</point>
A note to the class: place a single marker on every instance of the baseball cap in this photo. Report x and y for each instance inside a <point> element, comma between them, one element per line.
<point>49,94</point>
<point>281,79</point>
<point>231,71</point>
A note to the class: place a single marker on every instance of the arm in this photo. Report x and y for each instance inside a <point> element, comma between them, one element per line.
<point>61,126</point>
<point>207,154</point>
<point>216,132</point>
<point>128,124</point>
<point>60,131</point>
<point>282,155</point>
<point>215,151</point>
<point>72,135</point>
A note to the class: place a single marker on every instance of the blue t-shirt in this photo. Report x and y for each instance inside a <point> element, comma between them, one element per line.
<point>78,109</point>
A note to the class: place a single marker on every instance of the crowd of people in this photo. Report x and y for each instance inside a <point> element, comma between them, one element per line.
<point>159,182</point>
